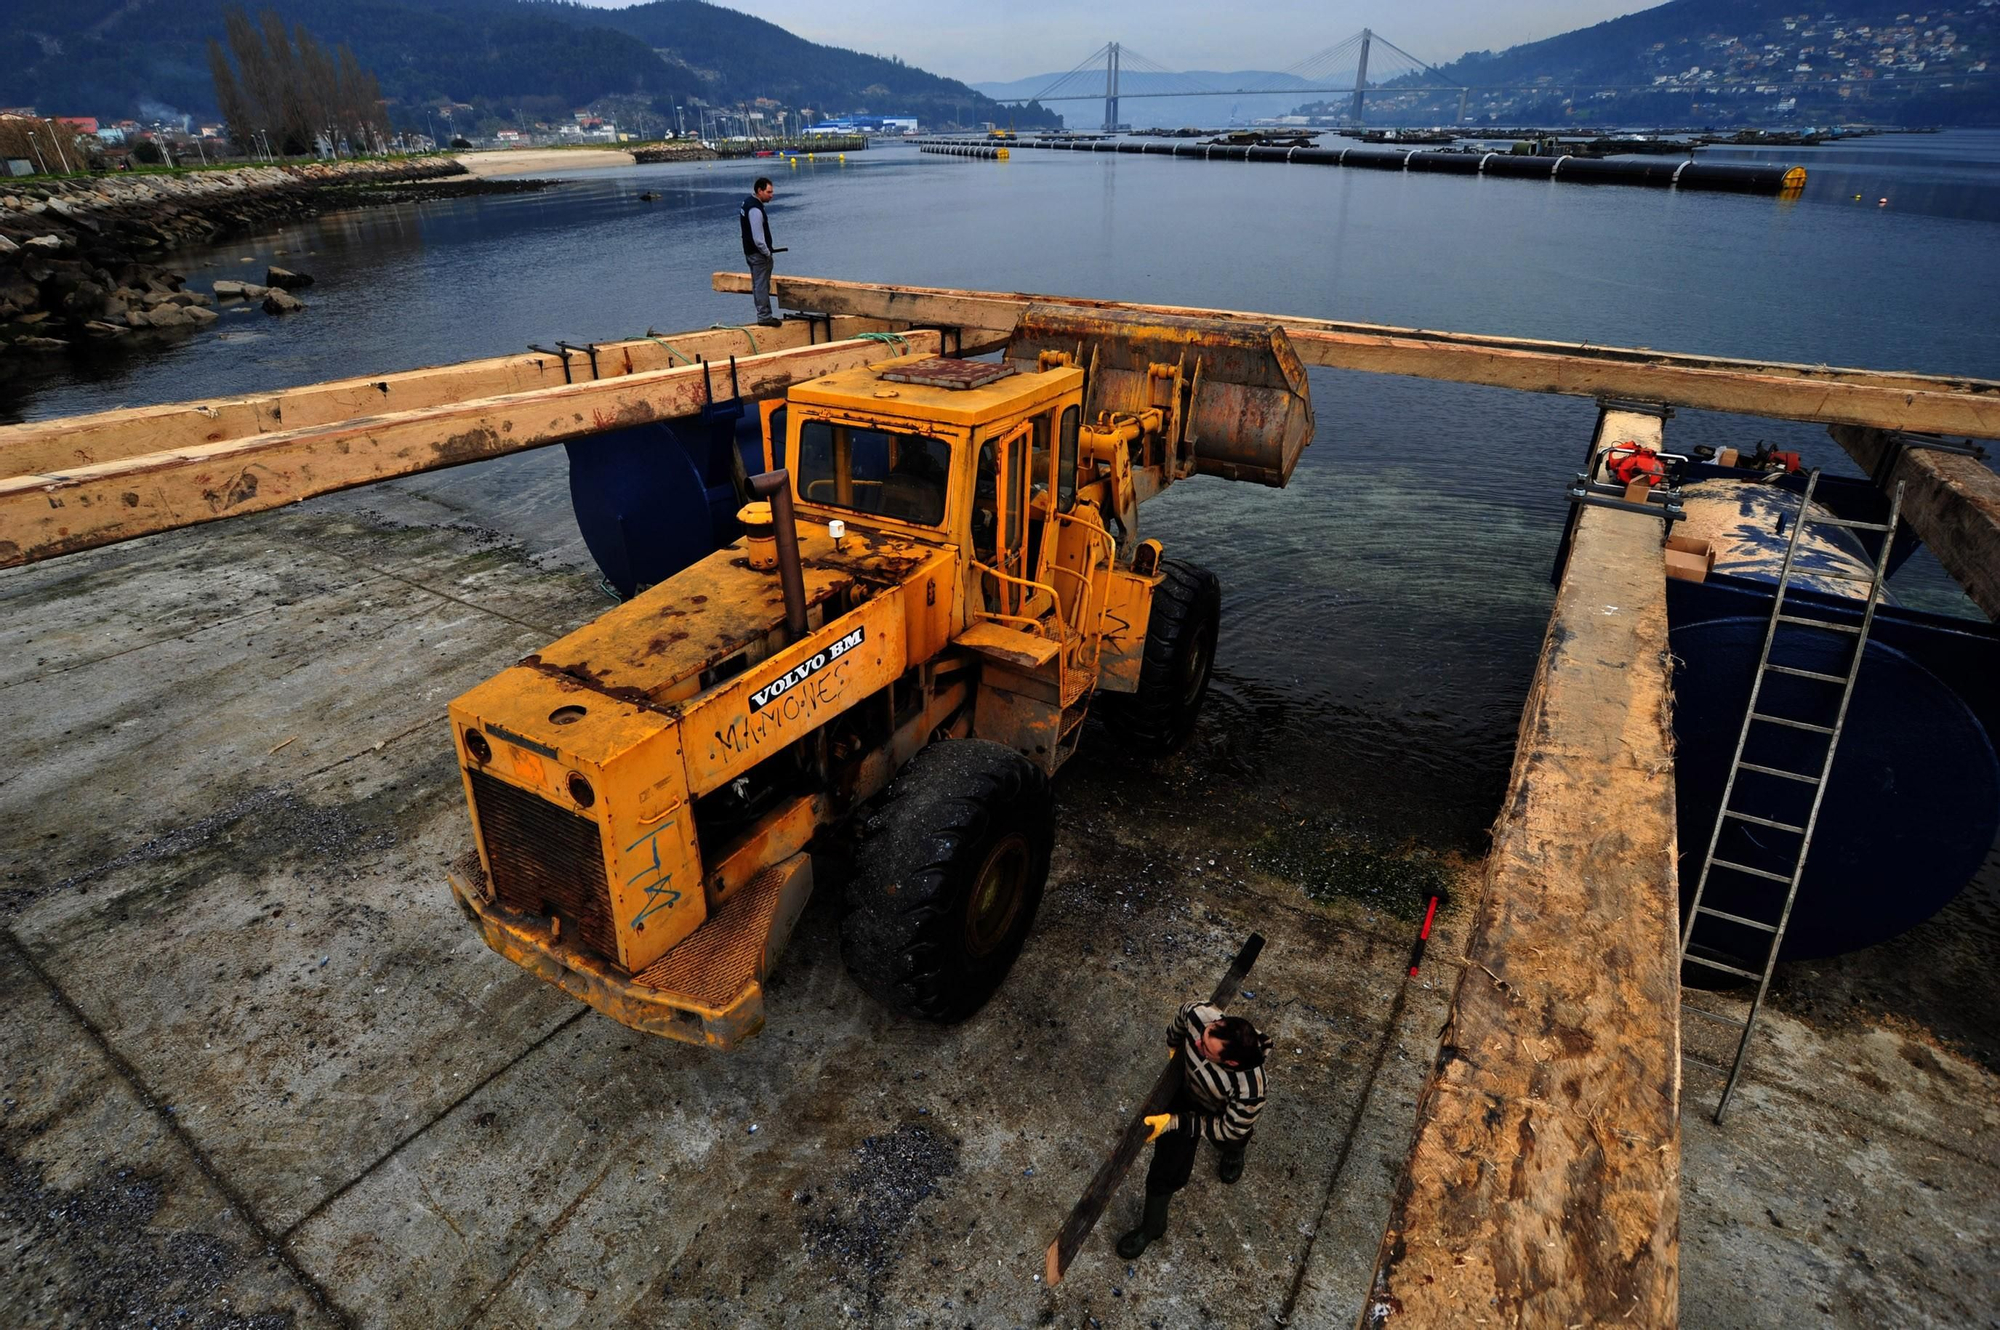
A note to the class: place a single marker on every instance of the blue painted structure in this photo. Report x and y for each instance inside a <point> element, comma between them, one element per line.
<point>654,499</point>
<point>1913,803</point>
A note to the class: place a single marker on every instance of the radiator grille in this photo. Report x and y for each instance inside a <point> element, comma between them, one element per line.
<point>546,860</point>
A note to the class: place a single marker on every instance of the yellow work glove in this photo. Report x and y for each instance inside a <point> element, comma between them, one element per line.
<point>1171,1052</point>
<point>1159,1124</point>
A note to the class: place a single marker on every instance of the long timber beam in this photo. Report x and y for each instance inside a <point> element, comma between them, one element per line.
<point>1924,403</point>
<point>106,436</point>
<point>1542,1188</point>
<point>1951,501</point>
<point>59,512</point>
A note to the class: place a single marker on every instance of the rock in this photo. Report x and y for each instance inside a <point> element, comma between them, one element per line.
<point>191,298</point>
<point>198,315</point>
<point>41,344</point>
<point>286,279</point>
<point>47,242</point>
<point>7,246</point>
<point>277,302</point>
<point>137,318</point>
<point>228,288</point>
<point>97,329</point>
<point>169,316</point>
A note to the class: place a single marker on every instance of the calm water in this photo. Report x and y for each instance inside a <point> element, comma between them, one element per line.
<point>1384,612</point>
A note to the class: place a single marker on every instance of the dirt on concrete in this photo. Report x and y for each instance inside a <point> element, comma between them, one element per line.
<point>254,1018</point>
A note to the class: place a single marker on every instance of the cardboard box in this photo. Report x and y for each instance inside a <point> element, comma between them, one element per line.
<point>1689,558</point>
<point>1727,457</point>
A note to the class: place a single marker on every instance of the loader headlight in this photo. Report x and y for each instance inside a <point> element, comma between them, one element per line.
<point>579,790</point>
<point>475,744</point>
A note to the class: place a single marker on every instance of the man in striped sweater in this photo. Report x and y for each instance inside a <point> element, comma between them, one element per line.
<point>1221,1093</point>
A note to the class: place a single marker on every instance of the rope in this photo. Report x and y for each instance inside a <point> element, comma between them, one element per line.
<point>742,328</point>
<point>887,338</point>
<point>672,350</point>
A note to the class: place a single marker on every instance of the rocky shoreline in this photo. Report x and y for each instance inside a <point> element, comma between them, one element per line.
<point>81,261</point>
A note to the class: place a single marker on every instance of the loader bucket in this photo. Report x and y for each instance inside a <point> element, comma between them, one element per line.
<point>1252,412</point>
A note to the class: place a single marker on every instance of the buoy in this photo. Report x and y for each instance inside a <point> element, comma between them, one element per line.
<point>1881,203</point>
<point>843,157</point>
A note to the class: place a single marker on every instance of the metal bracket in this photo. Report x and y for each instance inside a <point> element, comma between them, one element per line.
<point>815,323</point>
<point>1664,504</point>
<point>1898,442</point>
<point>559,355</point>
<point>589,348</point>
<point>951,338</point>
<point>1658,410</point>
<point>1933,443</point>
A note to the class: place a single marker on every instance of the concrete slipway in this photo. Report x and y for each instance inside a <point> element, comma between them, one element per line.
<point>257,1071</point>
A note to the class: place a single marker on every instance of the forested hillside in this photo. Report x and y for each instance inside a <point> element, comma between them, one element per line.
<point>116,58</point>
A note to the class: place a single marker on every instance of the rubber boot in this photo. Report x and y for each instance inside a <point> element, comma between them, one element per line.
<point>1230,1166</point>
<point>1152,1225</point>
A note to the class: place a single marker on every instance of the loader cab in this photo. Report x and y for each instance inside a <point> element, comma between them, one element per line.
<point>967,454</point>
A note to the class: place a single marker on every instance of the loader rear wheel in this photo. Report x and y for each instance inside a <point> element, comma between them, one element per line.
<point>950,871</point>
<point>1173,677</point>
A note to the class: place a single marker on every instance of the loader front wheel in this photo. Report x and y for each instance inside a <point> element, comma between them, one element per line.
<point>948,876</point>
<point>1173,677</point>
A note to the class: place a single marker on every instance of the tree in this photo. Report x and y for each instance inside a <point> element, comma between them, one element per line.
<point>235,106</point>
<point>287,86</point>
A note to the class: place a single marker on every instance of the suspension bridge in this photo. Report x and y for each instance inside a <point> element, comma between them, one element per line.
<point>1343,68</point>
<point>1369,64</point>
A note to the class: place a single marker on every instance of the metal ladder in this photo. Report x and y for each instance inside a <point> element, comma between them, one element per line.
<point>1752,716</point>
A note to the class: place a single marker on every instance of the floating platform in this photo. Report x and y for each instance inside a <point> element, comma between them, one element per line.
<point>1728,177</point>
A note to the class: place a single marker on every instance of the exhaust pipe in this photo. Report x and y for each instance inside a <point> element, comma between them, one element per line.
<point>776,486</point>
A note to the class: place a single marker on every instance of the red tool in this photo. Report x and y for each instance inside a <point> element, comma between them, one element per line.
<point>1417,952</point>
<point>1628,462</point>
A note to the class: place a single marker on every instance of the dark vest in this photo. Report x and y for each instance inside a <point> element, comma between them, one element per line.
<point>743,219</point>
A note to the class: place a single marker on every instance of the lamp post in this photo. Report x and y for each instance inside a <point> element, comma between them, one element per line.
<point>55,136</point>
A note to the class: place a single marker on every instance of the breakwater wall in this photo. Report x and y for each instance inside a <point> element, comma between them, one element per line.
<point>81,256</point>
<point>1732,177</point>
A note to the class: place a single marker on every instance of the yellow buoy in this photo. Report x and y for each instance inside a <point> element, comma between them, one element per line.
<point>843,157</point>
<point>1795,178</point>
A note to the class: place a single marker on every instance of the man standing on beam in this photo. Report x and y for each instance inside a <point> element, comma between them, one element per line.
<point>757,249</point>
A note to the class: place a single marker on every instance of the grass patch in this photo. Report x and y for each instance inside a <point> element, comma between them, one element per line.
<point>1331,864</point>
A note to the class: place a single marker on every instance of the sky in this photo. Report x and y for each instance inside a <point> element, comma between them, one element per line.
<point>981,41</point>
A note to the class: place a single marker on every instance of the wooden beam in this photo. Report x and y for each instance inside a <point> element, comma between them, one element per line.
<point>1829,395</point>
<point>106,436</point>
<point>46,515</point>
<point>1951,501</point>
<point>1542,1189</point>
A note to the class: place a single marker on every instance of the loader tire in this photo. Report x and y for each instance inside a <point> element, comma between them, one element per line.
<point>1173,677</point>
<point>949,873</point>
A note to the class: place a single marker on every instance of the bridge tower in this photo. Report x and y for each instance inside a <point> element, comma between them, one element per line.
<point>1361,73</point>
<point>1111,87</point>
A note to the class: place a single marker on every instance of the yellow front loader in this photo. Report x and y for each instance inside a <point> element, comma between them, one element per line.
<point>945,574</point>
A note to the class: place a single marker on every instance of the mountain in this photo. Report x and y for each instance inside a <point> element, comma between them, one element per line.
<point>1169,112</point>
<point>509,58</point>
<point>738,57</point>
<point>1705,61</point>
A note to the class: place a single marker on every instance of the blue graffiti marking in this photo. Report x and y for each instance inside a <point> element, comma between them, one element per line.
<point>652,879</point>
